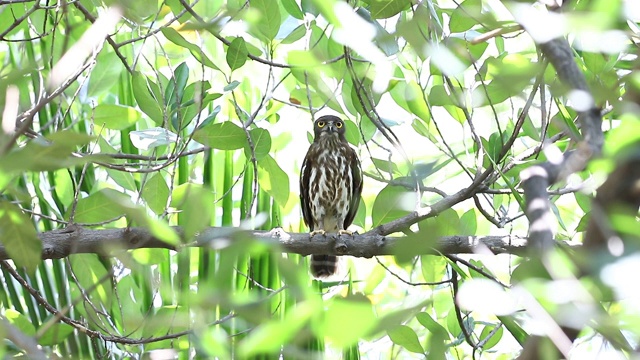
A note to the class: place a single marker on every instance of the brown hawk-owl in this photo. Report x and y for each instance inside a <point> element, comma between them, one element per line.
<point>330,187</point>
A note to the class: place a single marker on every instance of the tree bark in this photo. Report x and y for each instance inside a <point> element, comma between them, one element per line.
<point>79,240</point>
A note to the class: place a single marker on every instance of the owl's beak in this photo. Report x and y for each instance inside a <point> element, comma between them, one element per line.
<point>331,128</point>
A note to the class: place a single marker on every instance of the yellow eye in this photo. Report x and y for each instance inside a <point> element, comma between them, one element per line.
<point>321,124</point>
<point>339,125</point>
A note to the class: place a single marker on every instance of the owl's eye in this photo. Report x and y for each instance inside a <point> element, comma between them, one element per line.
<point>339,125</point>
<point>321,124</point>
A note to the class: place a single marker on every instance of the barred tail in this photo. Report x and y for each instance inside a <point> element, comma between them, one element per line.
<point>323,265</point>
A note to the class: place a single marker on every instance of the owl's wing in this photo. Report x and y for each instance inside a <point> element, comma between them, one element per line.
<point>305,201</point>
<point>356,186</point>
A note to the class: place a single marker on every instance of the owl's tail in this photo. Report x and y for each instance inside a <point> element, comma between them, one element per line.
<point>323,265</point>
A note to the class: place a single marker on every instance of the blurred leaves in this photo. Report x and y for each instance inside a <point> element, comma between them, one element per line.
<point>197,117</point>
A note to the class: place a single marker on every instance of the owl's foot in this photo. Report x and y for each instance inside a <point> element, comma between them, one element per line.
<point>345,232</point>
<point>317,232</point>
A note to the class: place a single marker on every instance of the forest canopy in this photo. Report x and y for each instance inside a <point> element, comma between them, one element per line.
<point>150,156</point>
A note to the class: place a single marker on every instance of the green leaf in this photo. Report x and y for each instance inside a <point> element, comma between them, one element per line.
<point>468,223</point>
<point>98,207</point>
<point>19,236</point>
<point>392,203</point>
<point>295,35</point>
<point>434,268</point>
<point>105,74</point>
<point>438,96</point>
<point>385,165</point>
<point>55,334</point>
<point>430,324</point>
<point>145,98</point>
<point>269,337</point>
<point>465,16</point>
<point>413,95</point>
<point>273,180</point>
<point>115,117</point>
<point>222,136</point>
<point>361,319</point>
<point>196,207</point>
<point>20,321</point>
<point>92,274</point>
<point>382,9</point>
<point>352,133</point>
<point>261,140</point>
<point>405,336</point>
<point>172,35</point>
<point>514,328</point>
<point>269,23</point>
<point>495,338</point>
<point>156,193</point>
<point>231,86</point>
<point>54,154</point>
<point>123,178</point>
<point>237,53</point>
<point>293,9</point>
<point>176,85</point>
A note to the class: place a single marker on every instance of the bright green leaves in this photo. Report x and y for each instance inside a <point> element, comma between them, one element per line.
<point>269,21</point>
<point>464,17</point>
<point>20,321</point>
<point>195,205</point>
<point>53,153</point>
<point>506,76</point>
<point>262,339</point>
<point>344,333</point>
<point>108,205</point>
<point>273,180</point>
<point>437,336</point>
<point>392,203</point>
<point>237,53</point>
<point>90,273</point>
<point>115,117</point>
<point>175,37</point>
<point>291,6</point>
<point>223,136</point>
<point>491,336</point>
<point>148,96</point>
<point>261,141</point>
<point>55,334</point>
<point>156,193</point>
<point>99,207</point>
<point>382,9</point>
<point>404,336</point>
<point>19,237</point>
<point>229,136</point>
<point>105,74</point>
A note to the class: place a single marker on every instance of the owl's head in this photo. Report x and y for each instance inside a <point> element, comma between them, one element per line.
<point>329,125</point>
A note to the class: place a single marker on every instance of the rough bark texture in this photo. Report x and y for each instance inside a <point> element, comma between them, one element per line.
<point>77,240</point>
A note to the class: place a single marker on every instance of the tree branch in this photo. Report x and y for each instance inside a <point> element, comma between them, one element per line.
<point>58,244</point>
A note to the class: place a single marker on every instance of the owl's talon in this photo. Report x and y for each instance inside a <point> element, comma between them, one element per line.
<point>317,232</point>
<point>345,232</point>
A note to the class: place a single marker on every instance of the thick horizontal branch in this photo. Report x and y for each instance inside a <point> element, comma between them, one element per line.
<point>78,240</point>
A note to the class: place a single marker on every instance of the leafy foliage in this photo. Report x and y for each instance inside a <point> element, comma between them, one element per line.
<point>198,114</point>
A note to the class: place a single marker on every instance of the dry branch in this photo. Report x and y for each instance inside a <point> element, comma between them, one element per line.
<point>77,240</point>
